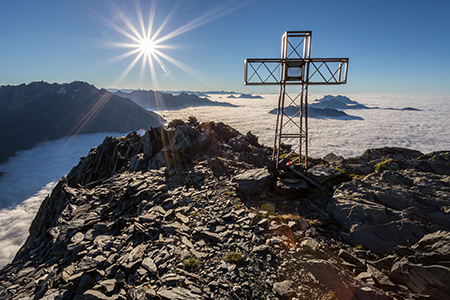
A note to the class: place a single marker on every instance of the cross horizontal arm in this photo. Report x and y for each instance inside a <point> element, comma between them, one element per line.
<point>316,71</point>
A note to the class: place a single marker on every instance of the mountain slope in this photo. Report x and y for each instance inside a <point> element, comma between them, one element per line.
<point>40,111</point>
<point>158,101</point>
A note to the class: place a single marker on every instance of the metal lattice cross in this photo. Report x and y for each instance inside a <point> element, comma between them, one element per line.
<point>294,69</point>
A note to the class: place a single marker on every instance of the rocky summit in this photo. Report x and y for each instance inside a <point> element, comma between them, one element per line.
<point>197,211</point>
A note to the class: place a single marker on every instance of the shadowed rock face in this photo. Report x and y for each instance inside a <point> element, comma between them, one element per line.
<point>156,100</point>
<point>40,111</point>
<point>158,217</point>
<point>403,197</point>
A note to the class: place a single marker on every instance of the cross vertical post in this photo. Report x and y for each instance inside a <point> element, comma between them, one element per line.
<point>294,68</point>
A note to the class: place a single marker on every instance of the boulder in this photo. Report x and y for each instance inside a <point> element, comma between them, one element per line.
<point>426,269</point>
<point>391,208</point>
<point>283,289</point>
<point>322,174</point>
<point>340,282</point>
<point>253,181</point>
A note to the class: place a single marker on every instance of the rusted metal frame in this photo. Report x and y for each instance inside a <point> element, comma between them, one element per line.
<point>326,81</point>
<point>328,59</point>
<point>345,71</point>
<point>333,74</point>
<point>305,93</point>
<point>291,119</point>
<point>256,72</point>
<point>294,49</point>
<point>276,127</point>
<point>281,128</point>
<point>339,76</point>
<point>284,41</point>
<point>306,128</point>
<point>302,134</point>
<point>255,64</point>
<point>340,70</point>
<point>318,70</point>
<point>271,72</point>
<point>292,101</point>
<point>293,151</point>
<point>340,79</point>
<point>292,135</point>
<point>245,71</point>
<point>309,38</point>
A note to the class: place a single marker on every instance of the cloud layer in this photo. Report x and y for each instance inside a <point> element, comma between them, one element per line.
<point>28,178</point>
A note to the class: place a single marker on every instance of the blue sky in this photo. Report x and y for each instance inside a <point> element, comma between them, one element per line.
<point>394,46</point>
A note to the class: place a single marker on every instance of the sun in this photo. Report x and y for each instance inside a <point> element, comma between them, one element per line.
<point>147,47</point>
<point>147,41</point>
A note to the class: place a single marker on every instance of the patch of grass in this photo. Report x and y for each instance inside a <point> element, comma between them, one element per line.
<point>332,295</point>
<point>191,263</point>
<point>238,206</point>
<point>291,156</point>
<point>383,165</point>
<point>307,250</point>
<point>289,217</point>
<point>359,247</point>
<point>269,208</point>
<point>193,215</point>
<point>234,257</point>
<point>313,222</point>
<point>348,176</point>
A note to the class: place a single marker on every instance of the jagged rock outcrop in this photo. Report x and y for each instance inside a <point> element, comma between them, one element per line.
<point>403,197</point>
<point>176,214</point>
<point>425,267</point>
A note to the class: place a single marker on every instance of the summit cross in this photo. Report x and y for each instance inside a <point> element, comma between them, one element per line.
<point>294,68</point>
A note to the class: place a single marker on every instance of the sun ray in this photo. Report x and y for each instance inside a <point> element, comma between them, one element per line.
<point>120,57</point>
<point>186,68</point>
<point>128,69</point>
<point>210,16</point>
<point>146,39</point>
<point>151,18</point>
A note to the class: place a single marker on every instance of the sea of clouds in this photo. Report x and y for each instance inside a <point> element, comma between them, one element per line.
<point>28,178</point>
<point>30,175</point>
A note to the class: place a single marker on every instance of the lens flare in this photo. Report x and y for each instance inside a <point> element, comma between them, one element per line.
<point>146,40</point>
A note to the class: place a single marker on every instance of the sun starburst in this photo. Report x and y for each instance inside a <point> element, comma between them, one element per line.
<point>146,40</point>
<point>146,46</point>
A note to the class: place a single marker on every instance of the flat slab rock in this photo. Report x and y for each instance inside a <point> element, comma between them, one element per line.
<point>253,181</point>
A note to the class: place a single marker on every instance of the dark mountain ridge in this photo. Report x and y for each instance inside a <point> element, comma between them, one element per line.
<point>156,100</point>
<point>333,107</point>
<point>40,111</point>
<point>337,102</point>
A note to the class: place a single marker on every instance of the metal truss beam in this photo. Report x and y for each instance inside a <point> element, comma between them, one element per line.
<point>269,71</point>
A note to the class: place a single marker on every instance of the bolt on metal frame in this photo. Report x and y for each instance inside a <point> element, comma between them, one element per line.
<point>295,67</point>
